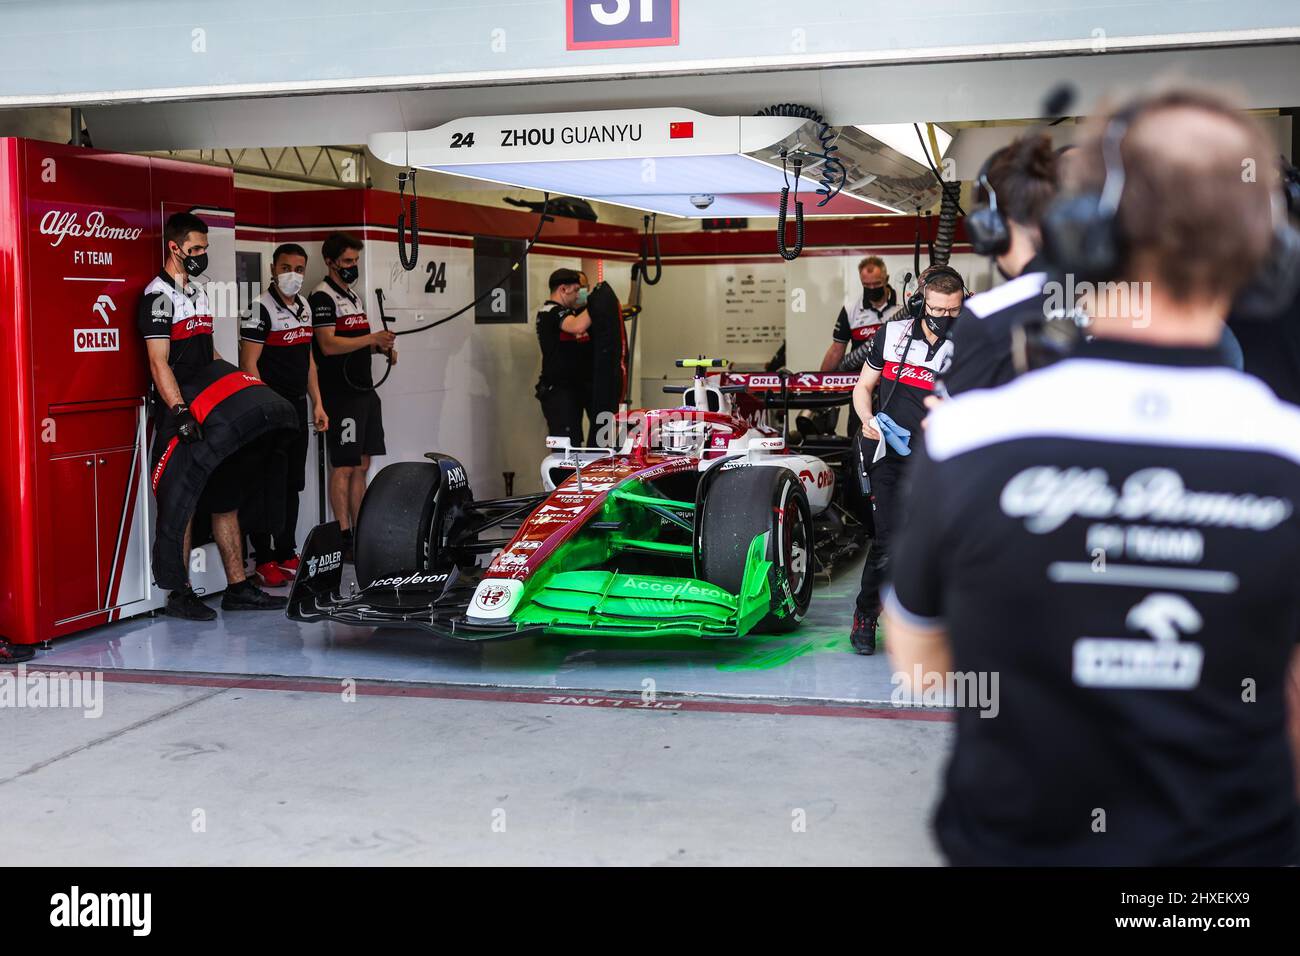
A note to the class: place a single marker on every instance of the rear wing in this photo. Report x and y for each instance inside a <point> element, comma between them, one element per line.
<point>782,391</point>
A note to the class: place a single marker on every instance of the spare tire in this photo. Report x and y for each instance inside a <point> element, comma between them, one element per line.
<point>742,502</point>
<point>392,533</point>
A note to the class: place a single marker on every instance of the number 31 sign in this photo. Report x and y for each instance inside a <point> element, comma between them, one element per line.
<point>605,24</point>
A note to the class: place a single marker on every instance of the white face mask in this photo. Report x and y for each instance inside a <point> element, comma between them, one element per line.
<point>289,282</point>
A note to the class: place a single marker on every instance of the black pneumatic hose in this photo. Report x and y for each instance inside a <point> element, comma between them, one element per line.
<point>789,255</point>
<point>947,229</point>
<point>833,171</point>
<point>409,258</point>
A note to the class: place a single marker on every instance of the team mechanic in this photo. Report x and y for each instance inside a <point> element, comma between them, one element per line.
<point>176,322</point>
<point>1116,537</point>
<point>565,385</point>
<point>343,344</point>
<point>275,345</point>
<point>1015,187</point>
<point>906,354</point>
<point>862,315</point>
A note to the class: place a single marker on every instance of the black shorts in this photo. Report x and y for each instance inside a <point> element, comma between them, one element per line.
<point>356,427</point>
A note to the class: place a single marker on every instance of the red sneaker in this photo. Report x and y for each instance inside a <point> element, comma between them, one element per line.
<point>288,568</point>
<point>271,575</point>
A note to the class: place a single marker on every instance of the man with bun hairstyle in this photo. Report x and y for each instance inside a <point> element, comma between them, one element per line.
<point>1019,180</point>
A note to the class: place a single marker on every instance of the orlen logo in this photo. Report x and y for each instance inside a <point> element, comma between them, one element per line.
<point>823,479</point>
<point>61,223</point>
<point>839,381</point>
<point>94,340</point>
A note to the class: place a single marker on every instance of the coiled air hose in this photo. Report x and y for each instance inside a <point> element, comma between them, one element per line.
<point>411,257</point>
<point>833,172</point>
<point>790,254</point>
<point>949,205</point>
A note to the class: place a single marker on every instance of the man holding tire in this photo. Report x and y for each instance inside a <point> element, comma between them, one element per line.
<point>343,345</point>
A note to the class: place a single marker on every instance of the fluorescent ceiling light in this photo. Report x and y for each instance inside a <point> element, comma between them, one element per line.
<point>901,137</point>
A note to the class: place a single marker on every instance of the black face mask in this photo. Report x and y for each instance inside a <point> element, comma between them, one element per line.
<point>937,324</point>
<point>349,274</point>
<point>195,266</point>
<point>873,295</point>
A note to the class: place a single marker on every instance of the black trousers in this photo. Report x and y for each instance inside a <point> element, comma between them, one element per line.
<point>563,406</point>
<point>886,492</point>
<point>281,545</point>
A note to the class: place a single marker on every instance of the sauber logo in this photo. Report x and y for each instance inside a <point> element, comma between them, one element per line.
<point>491,597</point>
<point>61,223</point>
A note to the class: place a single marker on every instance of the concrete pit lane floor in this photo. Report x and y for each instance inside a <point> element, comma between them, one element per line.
<point>255,740</point>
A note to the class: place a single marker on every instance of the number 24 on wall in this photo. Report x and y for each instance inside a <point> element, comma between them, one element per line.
<point>437,277</point>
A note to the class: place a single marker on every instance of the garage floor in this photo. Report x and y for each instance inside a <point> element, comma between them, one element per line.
<point>813,663</point>
<point>767,752</point>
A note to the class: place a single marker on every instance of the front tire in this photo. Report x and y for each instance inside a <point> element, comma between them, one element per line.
<point>742,503</point>
<point>392,533</point>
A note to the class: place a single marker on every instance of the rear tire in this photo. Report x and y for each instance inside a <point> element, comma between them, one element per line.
<point>392,533</point>
<point>742,503</point>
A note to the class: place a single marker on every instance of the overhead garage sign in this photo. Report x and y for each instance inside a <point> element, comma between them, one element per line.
<point>590,135</point>
<point>607,24</point>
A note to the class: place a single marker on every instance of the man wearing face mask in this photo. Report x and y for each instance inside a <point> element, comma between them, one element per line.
<point>565,386</point>
<point>275,345</point>
<point>344,344</point>
<point>175,320</point>
<point>863,314</point>
<point>903,360</point>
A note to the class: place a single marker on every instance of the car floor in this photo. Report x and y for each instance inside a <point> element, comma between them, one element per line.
<point>258,740</point>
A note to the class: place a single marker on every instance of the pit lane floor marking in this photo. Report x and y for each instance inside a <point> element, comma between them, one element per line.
<point>670,703</point>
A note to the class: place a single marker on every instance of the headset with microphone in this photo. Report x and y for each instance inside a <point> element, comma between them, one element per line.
<point>985,225</point>
<point>1082,235</point>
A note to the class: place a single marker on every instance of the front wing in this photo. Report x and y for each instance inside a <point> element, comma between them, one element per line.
<point>566,602</point>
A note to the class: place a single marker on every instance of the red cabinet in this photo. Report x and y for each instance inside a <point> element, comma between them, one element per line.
<point>80,238</point>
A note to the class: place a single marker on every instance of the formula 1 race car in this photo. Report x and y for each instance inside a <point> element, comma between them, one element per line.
<point>702,524</point>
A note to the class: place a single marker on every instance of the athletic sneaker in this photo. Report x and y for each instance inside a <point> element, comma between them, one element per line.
<point>185,604</point>
<point>289,568</point>
<point>247,596</point>
<point>863,637</point>
<point>15,653</point>
<point>270,574</point>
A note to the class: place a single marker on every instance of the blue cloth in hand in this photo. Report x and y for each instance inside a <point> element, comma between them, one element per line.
<point>895,435</point>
